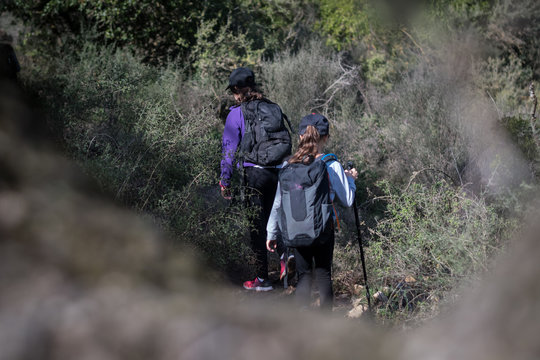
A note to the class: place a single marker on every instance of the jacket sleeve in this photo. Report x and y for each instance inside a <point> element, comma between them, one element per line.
<point>272,227</point>
<point>341,185</point>
<point>232,135</point>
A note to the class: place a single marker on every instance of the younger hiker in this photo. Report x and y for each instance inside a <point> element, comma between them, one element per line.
<point>303,209</point>
<point>255,127</point>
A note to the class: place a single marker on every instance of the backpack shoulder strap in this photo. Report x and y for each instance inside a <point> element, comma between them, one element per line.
<point>250,111</point>
<point>291,130</point>
<point>326,159</point>
<point>329,157</point>
<point>250,108</point>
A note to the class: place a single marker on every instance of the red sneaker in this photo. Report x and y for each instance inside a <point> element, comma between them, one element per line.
<point>258,285</point>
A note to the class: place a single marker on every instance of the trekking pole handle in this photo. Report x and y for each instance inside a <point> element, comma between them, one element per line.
<point>350,165</point>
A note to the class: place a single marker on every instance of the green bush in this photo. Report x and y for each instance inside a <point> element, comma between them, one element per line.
<point>401,101</point>
<point>164,30</point>
<point>432,240</point>
<point>439,232</point>
<point>151,139</point>
<point>343,22</point>
<point>313,79</point>
<point>514,28</point>
<point>505,81</point>
<point>422,128</point>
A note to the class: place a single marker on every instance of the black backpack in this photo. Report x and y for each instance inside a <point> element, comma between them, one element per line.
<point>266,140</point>
<point>306,208</point>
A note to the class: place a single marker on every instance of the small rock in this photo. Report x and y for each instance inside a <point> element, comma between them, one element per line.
<point>379,297</point>
<point>356,302</point>
<point>289,290</point>
<point>410,280</point>
<point>358,289</point>
<point>357,310</point>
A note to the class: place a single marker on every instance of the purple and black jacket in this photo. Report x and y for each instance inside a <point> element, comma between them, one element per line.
<point>232,135</point>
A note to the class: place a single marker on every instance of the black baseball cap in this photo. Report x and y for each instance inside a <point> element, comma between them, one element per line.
<point>241,77</point>
<point>318,121</point>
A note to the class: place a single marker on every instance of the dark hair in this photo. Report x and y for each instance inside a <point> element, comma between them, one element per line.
<point>307,147</point>
<point>247,94</point>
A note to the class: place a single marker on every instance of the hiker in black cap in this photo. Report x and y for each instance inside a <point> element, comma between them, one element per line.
<point>303,210</point>
<point>255,127</point>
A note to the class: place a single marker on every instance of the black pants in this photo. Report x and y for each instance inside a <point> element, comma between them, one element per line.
<point>261,187</point>
<point>321,256</point>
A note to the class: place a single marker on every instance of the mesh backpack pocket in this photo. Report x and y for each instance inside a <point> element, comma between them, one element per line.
<point>298,197</point>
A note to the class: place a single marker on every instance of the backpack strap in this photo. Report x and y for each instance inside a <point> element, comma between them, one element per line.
<point>329,157</point>
<point>248,114</point>
<point>288,123</point>
<point>326,159</point>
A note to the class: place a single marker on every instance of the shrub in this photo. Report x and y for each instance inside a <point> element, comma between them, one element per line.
<point>433,239</point>
<point>151,137</point>
<point>505,81</point>
<point>343,22</point>
<point>422,128</point>
<point>513,28</point>
<point>165,29</point>
<point>152,140</point>
<point>310,80</point>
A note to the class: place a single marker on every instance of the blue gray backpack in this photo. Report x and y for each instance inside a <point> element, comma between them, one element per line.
<point>306,208</point>
<point>266,140</point>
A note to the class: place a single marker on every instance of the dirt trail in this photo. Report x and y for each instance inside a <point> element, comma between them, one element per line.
<point>342,302</point>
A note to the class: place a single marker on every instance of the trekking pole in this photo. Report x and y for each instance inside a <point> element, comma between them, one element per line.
<point>350,165</point>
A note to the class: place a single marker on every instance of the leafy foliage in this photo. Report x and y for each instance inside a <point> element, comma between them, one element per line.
<point>142,134</point>
<point>344,22</point>
<point>439,232</point>
<point>165,29</point>
<point>412,93</point>
<point>432,239</point>
<point>514,28</point>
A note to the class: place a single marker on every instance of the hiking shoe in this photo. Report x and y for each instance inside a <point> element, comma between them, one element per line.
<point>291,265</point>
<point>258,285</point>
<point>288,266</point>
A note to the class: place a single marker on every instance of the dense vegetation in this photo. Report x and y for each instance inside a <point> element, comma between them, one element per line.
<point>430,99</point>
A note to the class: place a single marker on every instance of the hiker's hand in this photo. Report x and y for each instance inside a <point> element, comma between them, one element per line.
<point>271,245</point>
<point>225,192</point>
<point>352,173</point>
